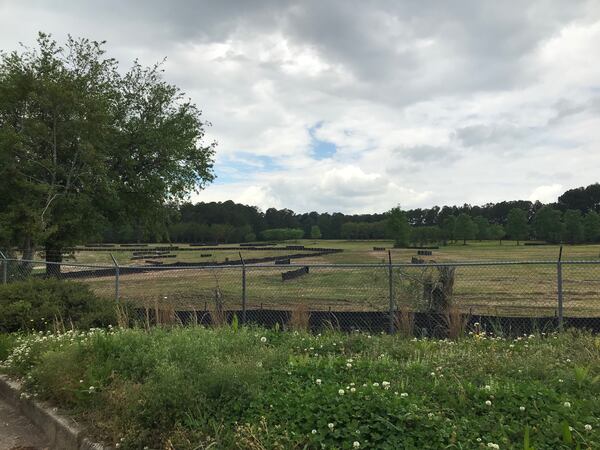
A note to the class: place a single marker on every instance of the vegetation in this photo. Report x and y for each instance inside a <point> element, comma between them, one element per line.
<point>83,145</point>
<point>251,388</point>
<point>52,304</point>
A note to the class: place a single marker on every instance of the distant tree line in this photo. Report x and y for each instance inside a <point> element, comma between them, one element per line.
<point>574,218</point>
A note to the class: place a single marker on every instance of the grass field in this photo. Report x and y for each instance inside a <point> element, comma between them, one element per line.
<point>250,388</point>
<point>361,252</point>
<point>516,290</point>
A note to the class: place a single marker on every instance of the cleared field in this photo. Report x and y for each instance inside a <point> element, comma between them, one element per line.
<point>512,290</point>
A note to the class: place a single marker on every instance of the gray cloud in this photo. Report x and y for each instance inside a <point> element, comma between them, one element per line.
<point>476,94</point>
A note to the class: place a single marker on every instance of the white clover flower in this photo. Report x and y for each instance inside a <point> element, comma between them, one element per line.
<point>432,374</point>
<point>341,392</point>
<point>330,425</point>
<point>487,387</point>
<point>492,445</point>
<point>430,415</point>
<point>318,381</point>
<point>560,380</point>
<point>91,389</point>
<point>352,389</point>
<point>117,445</point>
<point>521,408</point>
<point>263,339</point>
<point>350,360</point>
<point>488,403</point>
<point>404,394</point>
<point>356,444</point>
<point>385,383</point>
<point>348,365</point>
<point>567,404</point>
<point>314,431</point>
<point>587,427</point>
<point>376,384</point>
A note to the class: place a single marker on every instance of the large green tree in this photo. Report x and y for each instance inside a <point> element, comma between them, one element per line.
<point>547,224</point>
<point>397,227</point>
<point>573,229</point>
<point>591,226</point>
<point>516,225</point>
<point>465,228</point>
<point>82,145</point>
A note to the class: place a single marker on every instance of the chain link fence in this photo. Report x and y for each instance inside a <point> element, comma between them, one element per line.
<point>414,299</point>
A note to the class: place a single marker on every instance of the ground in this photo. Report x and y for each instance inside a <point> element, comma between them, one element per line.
<point>17,433</point>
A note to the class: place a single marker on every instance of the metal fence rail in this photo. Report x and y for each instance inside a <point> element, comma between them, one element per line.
<point>408,298</point>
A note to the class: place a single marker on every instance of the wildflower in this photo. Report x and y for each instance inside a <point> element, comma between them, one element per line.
<point>353,390</point>
<point>488,403</point>
<point>432,374</point>
<point>314,431</point>
<point>521,408</point>
<point>588,427</point>
<point>567,404</point>
<point>430,415</point>
<point>348,365</point>
<point>341,392</point>
<point>375,384</point>
<point>404,394</point>
<point>330,426</point>
<point>318,381</point>
<point>91,389</point>
<point>560,380</point>
<point>492,445</point>
<point>386,384</point>
<point>263,339</point>
<point>487,387</point>
<point>356,444</point>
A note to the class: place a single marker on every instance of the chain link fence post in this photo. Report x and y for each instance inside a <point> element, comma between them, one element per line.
<point>391,293</point>
<point>117,281</point>
<point>244,293</point>
<point>559,283</point>
<point>4,268</point>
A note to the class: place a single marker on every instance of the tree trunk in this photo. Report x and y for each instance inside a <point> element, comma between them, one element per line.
<point>53,257</point>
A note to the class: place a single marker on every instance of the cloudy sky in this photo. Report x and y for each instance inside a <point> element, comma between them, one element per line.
<point>356,105</point>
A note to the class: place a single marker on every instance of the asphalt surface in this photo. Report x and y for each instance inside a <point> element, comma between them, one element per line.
<point>17,433</point>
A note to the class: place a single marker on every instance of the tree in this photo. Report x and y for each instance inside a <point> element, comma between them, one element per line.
<point>483,228</point>
<point>516,224</point>
<point>465,228</point>
<point>547,224</point>
<point>315,232</point>
<point>449,228</point>
<point>497,232</point>
<point>573,228</point>
<point>398,227</point>
<point>591,226</point>
<point>82,145</point>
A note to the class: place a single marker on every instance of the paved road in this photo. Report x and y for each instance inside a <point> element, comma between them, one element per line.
<point>17,433</point>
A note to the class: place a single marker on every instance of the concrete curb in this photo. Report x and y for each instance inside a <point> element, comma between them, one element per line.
<point>62,433</point>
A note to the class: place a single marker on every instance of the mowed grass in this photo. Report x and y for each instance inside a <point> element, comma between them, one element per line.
<point>250,388</point>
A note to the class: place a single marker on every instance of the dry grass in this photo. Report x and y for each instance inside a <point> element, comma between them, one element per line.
<point>300,318</point>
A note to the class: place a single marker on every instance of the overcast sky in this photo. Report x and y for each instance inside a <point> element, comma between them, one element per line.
<point>357,106</point>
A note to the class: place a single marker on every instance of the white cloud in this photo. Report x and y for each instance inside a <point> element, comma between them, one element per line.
<point>461,102</point>
<point>546,194</point>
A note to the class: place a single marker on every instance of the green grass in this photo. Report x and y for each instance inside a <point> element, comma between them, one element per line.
<point>250,388</point>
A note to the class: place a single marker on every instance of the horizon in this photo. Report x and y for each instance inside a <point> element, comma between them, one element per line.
<point>360,107</point>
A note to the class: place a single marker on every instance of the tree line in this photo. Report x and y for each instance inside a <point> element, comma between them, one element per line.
<point>574,218</point>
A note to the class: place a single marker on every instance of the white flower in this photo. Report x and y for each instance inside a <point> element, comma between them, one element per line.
<point>314,431</point>
<point>492,445</point>
<point>375,384</point>
<point>432,374</point>
<point>341,392</point>
<point>330,426</point>
<point>385,384</point>
<point>356,444</point>
<point>263,339</point>
<point>352,390</point>
<point>488,403</point>
<point>560,380</point>
<point>318,381</point>
<point>404,394</point>
<point>487,387</point>
<point>588,427</point>
<point>430,415</point>
<point>521,408</point>
<point>348,365</point>
<point>567,404</point>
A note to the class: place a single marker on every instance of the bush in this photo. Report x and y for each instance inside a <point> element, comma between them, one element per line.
<point>41,304</point>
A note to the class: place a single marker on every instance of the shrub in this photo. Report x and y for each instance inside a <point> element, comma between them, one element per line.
<point>43,304</point>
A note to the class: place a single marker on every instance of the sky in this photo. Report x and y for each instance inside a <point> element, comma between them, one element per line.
<point>357,106</point>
